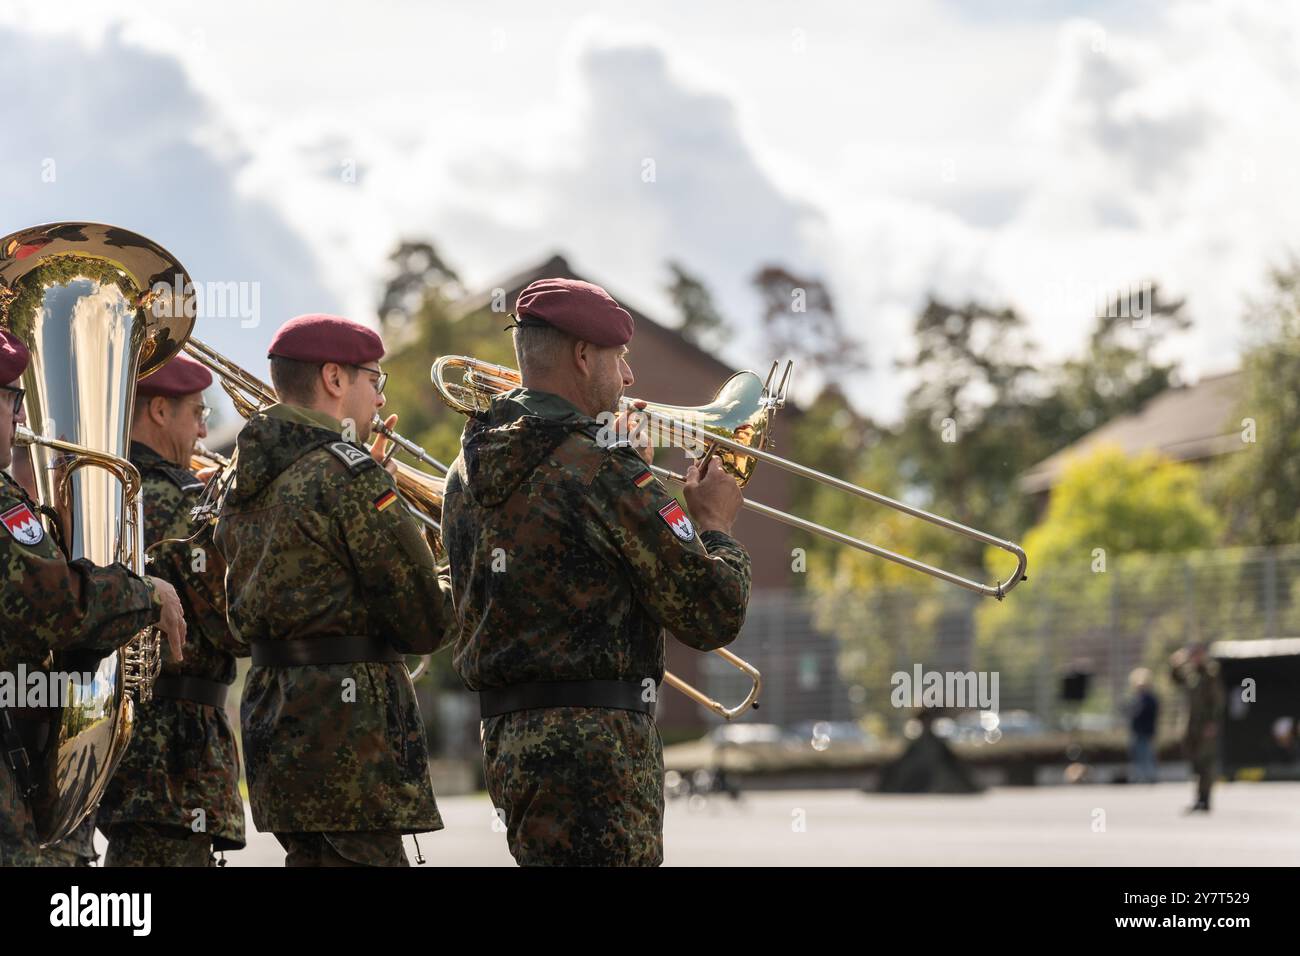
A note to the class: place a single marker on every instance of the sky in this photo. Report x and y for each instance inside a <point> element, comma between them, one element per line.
<point>1030,154</point>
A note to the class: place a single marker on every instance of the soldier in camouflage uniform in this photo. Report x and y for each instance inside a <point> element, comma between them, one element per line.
<point>78,847</point>
<point>50,604</point>
<point>175,797</point>
<point>568,561</point>
<point>1193,670</point>
<point>330,581</point>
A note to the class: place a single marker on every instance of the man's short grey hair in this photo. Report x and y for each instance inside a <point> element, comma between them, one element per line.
<point>540,348</point>
<point>142,403</point>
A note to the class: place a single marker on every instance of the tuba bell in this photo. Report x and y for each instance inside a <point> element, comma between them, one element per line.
<point>98,307</point>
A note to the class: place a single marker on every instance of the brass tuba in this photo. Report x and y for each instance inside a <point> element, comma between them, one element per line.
<point>98,307</point>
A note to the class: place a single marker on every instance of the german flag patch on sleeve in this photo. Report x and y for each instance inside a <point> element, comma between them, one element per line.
<point>386,499</point>
<point>643,479</point>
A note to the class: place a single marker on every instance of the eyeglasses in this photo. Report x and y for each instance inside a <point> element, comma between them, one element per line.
<point>18,394</point>
<point>379,382</point>
<point>205,411</point>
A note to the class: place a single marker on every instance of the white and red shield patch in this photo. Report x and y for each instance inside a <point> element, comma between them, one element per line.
<point>677,520</point>
<point>23,525</point>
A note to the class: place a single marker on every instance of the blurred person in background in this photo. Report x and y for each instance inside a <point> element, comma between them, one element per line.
<point>1144,713</point>
<point>1194,671</point>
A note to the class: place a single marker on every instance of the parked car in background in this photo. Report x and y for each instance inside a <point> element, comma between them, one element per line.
<point>750,735</point>
<point>988,726</point>
<point>833,734</point>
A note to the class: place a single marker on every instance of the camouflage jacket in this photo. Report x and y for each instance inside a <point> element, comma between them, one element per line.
<point>569,560</point>
<point>48,603</point>
<point>183,758</point>
<point>318,547</point>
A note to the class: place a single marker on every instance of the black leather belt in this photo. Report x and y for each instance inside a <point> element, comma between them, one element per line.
<point>348,649</point>
<point>613,694</point>
<point>196,689</point>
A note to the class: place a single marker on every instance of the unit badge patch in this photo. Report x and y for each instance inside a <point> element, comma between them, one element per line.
<point>23,525</point>
<point>677,520</point>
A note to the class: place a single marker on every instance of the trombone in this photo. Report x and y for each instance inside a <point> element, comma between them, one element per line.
<point>736,428</point>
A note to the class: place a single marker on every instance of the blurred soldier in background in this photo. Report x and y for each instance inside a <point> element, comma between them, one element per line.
<point>1194,671</point>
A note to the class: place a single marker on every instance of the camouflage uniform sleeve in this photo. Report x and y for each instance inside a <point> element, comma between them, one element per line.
<point>404,594</point>
<point>71,604</point>
<point>698,586</point>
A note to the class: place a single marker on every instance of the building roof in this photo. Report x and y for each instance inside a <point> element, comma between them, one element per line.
<point>1189,423</point>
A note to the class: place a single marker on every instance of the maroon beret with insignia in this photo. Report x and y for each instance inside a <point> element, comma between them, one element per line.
<point>13,357</point>
<point>326,338</point>
<point>585,311</point>
<point>181,376</point>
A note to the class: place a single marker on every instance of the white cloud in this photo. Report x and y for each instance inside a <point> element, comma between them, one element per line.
<point>112,133</point>
<point>1029,161</point>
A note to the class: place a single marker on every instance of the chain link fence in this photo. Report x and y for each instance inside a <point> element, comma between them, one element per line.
<point>827,657</point>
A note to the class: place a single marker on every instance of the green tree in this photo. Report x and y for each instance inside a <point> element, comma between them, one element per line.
<point>799,322</point>
<point>1119,371</point>
<point>1122,505</point>
<point>702,323</point>
<point>968,428</point>
<point>1109,565</point>
<point>1259,487</point>
<point>418,273</point>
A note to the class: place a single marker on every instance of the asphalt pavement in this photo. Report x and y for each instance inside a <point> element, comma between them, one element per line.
<point>1252,824</point>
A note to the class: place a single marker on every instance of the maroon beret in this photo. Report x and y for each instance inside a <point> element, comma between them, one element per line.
<point>181,376</point>
<point>13,357</point>
<point>326,338</point>
<point>585,311</point>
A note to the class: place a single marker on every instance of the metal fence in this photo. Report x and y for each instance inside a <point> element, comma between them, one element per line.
<point>832,657</point>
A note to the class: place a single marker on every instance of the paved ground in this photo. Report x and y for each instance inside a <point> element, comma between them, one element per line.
<point>1253,824</point>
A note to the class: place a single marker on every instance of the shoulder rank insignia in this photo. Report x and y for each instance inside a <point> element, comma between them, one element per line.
<point>23,525</point>
<point>356,459</point>
<point>676,519</point>
<point>183,478</point>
